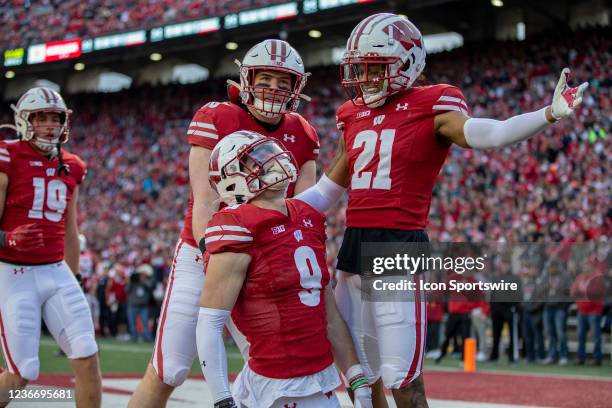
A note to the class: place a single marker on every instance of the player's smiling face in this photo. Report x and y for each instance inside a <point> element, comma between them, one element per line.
<point>371,79</point>
<point>273,80</point>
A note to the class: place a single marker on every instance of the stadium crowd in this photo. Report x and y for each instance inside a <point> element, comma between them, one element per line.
<point>26,22</point>
<point>553,188</point>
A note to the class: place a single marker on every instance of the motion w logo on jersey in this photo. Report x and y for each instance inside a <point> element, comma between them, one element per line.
<point>378,120</point>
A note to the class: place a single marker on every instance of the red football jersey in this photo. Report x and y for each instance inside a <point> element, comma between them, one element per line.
<point>37,194</point>
<point>215,120</point>
<point>281,308</point>
<point>395,157</point>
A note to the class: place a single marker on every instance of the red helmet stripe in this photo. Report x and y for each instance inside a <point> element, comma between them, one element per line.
<point>362,26</point>
<point>273,50</point>
<point>283,51</point>
<point>366,22</point>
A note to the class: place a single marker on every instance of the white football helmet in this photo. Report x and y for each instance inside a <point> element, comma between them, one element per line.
<point>272,55</point>
<point>387,40</point>
<point>41,99</point>
<point>244,164</point>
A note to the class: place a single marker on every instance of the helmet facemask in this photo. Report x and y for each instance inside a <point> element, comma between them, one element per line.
<point>266,166</point>
<point>257,167</point>
<point>366,80</point>
<point>270,102</point>
<point>46,137</point>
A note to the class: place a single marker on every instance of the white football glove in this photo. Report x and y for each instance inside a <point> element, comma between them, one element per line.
<point>566,98</point>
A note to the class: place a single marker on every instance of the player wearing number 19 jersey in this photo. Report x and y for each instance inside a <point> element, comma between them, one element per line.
<point>396,138</point>
<point>39,248</point>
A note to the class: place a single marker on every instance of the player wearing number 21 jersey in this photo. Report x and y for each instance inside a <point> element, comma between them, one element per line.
<point>39,248</point>
<point>396,137</point>
<point>267,266</point>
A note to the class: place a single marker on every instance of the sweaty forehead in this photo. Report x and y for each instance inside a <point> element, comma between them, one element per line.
<point>273,74</point>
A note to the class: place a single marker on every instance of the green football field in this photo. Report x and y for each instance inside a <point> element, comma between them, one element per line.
<point>119,357</point>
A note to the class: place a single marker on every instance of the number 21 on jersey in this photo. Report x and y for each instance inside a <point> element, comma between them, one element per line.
<point>369,140</point>
<point>55,192</point>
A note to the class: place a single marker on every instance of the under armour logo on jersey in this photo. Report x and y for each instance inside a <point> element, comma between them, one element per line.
<point>278,229</point>
<point>51,172</point>
<point>292,406</point>
<point>363,114</point>
<point>18,270</point>
<point>203,363</point>
<point>378,120</point>
<point>401,106</point>
<point>289,138</point>
<point>298,235</point>
<point>198,258</point>
<point>36,164</point>
<point>307,223</point>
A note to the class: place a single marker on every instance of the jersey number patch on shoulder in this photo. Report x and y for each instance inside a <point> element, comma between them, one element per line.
<point>56,199</point>
<point>369,140</point>
<point>310,275</point>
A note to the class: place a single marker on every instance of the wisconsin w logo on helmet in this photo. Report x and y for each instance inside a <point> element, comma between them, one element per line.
<point>402,31</point>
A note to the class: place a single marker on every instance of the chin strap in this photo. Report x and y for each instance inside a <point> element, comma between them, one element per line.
<point>62,167</point>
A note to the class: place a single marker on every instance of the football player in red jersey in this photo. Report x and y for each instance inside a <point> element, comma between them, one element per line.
<point>266,266</point>
<point>39,249</point>
<point>272,77</point>
<point>395,139</point>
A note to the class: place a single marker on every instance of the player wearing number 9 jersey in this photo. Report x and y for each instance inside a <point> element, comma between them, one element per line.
<point>267,266</point>
<point>396,138</point>
<point>272,77</point>
<point>39,247</point>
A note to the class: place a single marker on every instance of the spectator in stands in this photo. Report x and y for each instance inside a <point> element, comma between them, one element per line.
<point>116,299</point>
<point>139,294</point>
<point>435,315</point>
<point>460,306</point>
<point>505,308</point>
<point>555,312</point>
<point>588,290</point>
<point>533,314</point>
<point>99,285</point>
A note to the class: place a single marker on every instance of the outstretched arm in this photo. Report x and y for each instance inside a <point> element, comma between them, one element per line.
<point>478,133</point>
